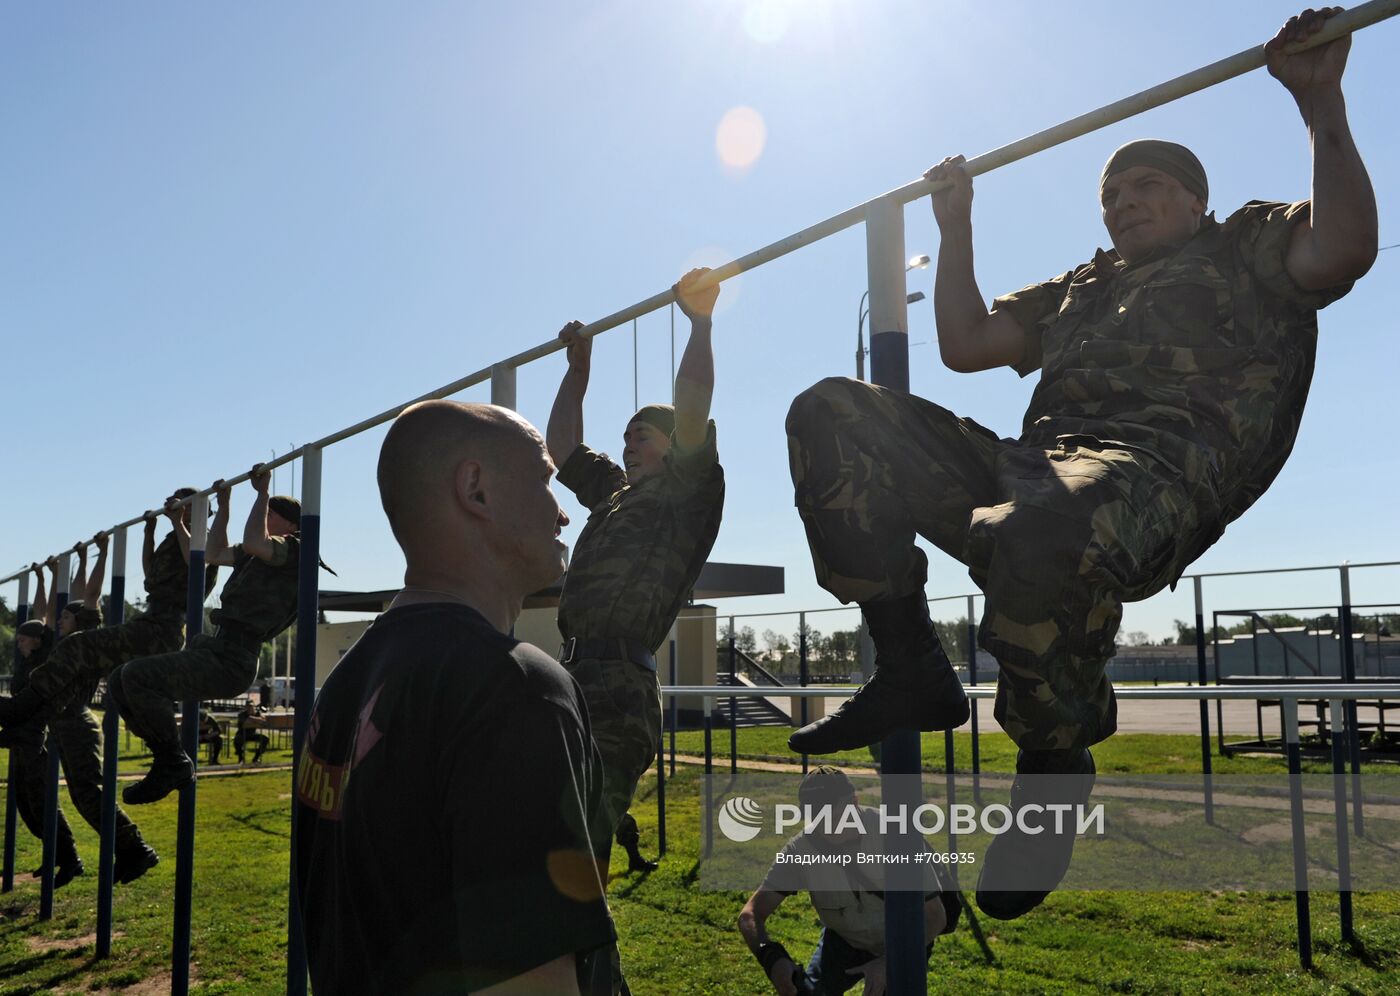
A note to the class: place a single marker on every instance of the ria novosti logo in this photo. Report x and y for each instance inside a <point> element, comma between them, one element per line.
<point>741,819</point>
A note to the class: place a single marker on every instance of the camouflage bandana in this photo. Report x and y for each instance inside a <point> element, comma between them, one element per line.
<point>1174,160</point>
<point>661,417</point>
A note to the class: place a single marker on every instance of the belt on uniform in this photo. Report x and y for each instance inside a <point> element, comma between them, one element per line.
<point>606,649</point>
<point>240,636</point>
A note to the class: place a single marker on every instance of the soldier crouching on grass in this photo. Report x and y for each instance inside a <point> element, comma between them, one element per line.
<point>1173,374</point>
<point>849,898</point>
<point>257,603</point>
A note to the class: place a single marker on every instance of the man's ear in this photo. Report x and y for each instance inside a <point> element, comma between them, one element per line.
<point>470,489</point>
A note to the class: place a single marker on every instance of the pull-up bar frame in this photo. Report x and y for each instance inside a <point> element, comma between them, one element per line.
<point>889,366</point>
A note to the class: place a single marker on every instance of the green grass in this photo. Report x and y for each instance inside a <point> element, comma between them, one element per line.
<point>678,939</point>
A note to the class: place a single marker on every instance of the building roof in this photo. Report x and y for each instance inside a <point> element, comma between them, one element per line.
<point>716,580</point>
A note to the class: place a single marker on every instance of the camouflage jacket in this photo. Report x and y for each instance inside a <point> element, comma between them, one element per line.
<point>637,558</point>
<point>261,596</point>
<point>168,582</point>
<point>1201,354</point>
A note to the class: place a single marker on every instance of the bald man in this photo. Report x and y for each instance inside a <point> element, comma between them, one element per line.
<point>449,726</point>
<point>1173,374</point>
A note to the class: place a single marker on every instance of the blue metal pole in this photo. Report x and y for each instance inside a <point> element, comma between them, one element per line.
<point>1205,708</point>
<point>1339,800</point>
<point>1300,844</point>
<point>7,872</point>
<point>899,755</point>
<point>733,703</point>
<point>802,672</point>
<point>308,617</point>
<point>709,783</point>
<point>972,681</point>
<point>189,739</point>
<point>116,612</point>
<point>46,887</point>
<point>1349,675</point>
<point>661,796</point>
<point>675,710</point>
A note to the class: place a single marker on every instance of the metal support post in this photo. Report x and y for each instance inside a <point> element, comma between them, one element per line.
<point>189,738</point>
<point>899,755</point>
<point>661,797</point>
<point>1349,676</point>
<point>1219,704</point>
<point>972,680</point>
<point>733,704</point>
<point>503,385</point>
<point>116,613</point>
<point>308,616</point>
<point>1300,844</point>
<point>802,673</point>
<point>7,867</point>
<point>709,782</point>
<point>1205,709</point>
<point>1339,799</point>
<point>675,709</point>
<point>50,824</point>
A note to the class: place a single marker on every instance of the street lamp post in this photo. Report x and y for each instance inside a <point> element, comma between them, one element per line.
<point>915,263</point>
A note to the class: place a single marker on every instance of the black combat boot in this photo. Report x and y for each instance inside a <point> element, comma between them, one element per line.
<point>133,859</point>
<point>171,769</point>
<point>1019,869</point>
<point>628,837</point>
<point>67,865</point>
<point>914,687</point>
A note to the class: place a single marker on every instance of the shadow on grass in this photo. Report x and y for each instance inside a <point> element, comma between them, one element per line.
<point>253,821</point>
<point>68,969</point>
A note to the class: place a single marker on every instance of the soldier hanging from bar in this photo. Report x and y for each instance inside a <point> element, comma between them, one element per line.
<point>1173,374</point>
<point>651,524</point>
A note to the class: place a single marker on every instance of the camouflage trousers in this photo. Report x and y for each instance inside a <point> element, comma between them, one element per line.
<point>79,662</point>
<point>1057,538</point>
<point>77,737</point>
<point>624,710</point>
<point>146,690</point>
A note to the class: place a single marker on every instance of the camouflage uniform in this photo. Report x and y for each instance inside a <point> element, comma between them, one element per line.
<point>258,602</point>
<point>632,569</point>
<point>30,764</point>
<point>73,670</point>
<point>1169,398</point>
<point>78,737</point>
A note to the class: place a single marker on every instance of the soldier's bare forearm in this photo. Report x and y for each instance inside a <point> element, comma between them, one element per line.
<point>93,593</point>
<point>958,306</point>
<point>256,540</point>
<point>564,432</point>
<point>1345,227</point>
<point>695,384</point>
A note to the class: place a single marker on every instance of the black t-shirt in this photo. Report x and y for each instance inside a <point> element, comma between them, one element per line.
<point>442,811</point>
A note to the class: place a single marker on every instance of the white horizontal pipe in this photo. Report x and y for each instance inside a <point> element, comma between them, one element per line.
<point>1207,76</point>
<point>1249,693</point>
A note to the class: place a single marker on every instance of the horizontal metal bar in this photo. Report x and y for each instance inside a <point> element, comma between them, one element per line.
<point>1207,76</point>
<point>1171,692</point>
<point>1293,570</point>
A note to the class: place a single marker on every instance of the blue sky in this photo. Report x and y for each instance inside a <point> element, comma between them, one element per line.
<point>234,228</point>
